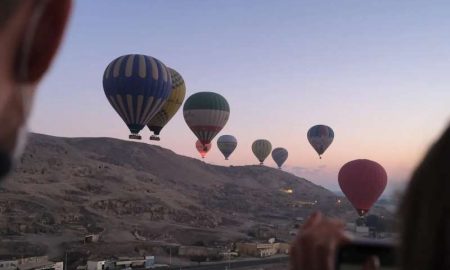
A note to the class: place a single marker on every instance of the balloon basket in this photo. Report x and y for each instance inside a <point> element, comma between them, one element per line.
<point>154,138</point>
<point>135,137</point>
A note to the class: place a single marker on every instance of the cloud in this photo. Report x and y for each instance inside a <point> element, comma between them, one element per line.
<point>307,171</point>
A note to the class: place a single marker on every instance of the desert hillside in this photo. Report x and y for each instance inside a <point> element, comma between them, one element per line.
<point>66,188</point>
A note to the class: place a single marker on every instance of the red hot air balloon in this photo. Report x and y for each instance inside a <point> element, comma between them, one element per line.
<point>362,181</point>
<point>202,149</point>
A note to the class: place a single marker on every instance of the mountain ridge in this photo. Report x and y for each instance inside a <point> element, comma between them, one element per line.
<point>66,188</point>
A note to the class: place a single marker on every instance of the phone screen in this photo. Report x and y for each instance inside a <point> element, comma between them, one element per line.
<point>353,256</point>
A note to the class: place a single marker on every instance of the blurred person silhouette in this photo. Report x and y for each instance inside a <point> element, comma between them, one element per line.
<point>424,218</point>
<point>30,34</point>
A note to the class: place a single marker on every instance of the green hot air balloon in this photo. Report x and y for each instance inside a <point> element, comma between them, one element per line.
<point>206,113</point>
<point>261,148</point>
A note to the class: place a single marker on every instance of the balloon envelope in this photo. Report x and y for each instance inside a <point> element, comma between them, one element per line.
<point>137,86</point>
<point>226,145</point>
<point>261,149</point>
<point>206,113</point>
<point>279,155</point>
<point>362,181</point>
<point>157,123</point>
<point>203,149</point>
<point>320,137</point>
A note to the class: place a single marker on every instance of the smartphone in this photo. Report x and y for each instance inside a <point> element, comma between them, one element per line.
<point>352,256</point>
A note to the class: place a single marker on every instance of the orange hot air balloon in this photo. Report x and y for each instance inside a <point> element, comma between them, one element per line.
<point>362,181</point>
<point>203,149</point>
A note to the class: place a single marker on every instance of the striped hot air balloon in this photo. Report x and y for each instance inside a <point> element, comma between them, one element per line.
<point>226,145</point>
<point>320,137</point>
<point>279,155</point>
<point>202,149</point>
<point>261,149</point>
<point>137,86</point>
<point>171,107</point>
<point>206,113</point>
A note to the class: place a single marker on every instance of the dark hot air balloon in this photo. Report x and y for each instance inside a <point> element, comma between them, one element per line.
<point>226,145</point>
<point>279,155</point>
<point>320,137</point>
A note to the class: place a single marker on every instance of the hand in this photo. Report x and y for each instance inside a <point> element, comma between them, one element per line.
<point>316,243</point>
<point>373,263</point>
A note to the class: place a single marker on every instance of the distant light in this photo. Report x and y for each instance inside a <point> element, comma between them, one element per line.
<point>288,190</point>
<point>338,201</point>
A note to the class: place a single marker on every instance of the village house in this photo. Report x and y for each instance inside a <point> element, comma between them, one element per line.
<point>30,263</point>
<point>262,250</point>
<point>146,262</point>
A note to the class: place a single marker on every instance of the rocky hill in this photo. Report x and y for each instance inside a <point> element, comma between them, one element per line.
<point>66,188</point>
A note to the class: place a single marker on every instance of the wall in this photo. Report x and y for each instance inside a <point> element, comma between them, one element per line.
<point>8,265</point>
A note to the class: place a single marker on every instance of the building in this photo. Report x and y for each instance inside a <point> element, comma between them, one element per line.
<point>91,238</point>
<point>262,249</point>
<point>8,264</point>
<point>283,248</point>
<point>146,262</point>
<point>51,266</point>
<point>257,249</point>
<point>95,265</point>
<point>31,263</point>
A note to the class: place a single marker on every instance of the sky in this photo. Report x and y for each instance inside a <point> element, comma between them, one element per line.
<point>377,72</point>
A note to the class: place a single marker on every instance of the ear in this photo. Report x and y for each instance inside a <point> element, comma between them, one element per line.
<point>47,38</point>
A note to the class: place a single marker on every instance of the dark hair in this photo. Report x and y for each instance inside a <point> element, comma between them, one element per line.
<point>7,8</point>
<point>425,212</point>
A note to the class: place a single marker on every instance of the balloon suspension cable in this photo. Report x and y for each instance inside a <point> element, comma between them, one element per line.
<point>226,158</point>
<point>261,163</point>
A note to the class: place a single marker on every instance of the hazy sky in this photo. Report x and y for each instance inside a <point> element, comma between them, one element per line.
<point>377,72</point>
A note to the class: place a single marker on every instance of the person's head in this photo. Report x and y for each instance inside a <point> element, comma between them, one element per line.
<point>425,212</point>
<point>30,33</point>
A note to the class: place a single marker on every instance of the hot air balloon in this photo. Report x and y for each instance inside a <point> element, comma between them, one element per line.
<point>261,149</point>
<point>137,86</point>
<point>203,149</point>
<point>226,145</point>
<point>206,113</point>
<point>320,137</point>
<point>279,155</point>
<point>172,105</point>
<point>362,181</point>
